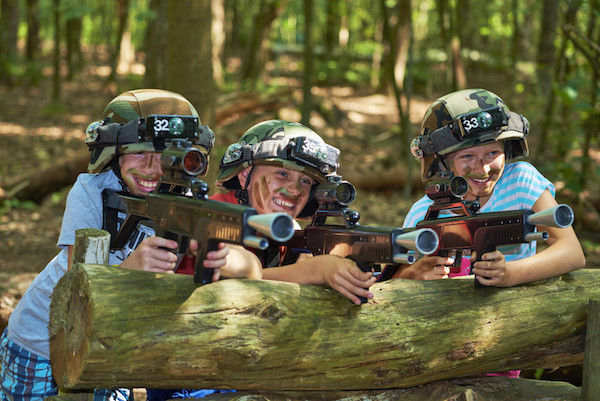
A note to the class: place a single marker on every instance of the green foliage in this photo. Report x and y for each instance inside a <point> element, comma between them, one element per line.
<point>9,205</point>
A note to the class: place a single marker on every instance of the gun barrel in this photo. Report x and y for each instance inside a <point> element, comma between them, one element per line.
<point>278,226</point>
<point>557,216</point>
<point>252,241</point>
<point>404,258</point>
<point>423,240</point>
<point>537,236</point>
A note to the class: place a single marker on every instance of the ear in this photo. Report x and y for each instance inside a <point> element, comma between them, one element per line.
<point>243,176</point>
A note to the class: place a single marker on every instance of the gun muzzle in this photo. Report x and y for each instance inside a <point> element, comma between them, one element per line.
<point>537,236</point>
<point>557,216</point>
<point>423,240</point>
<point>278,226</point>
<point>404,258</point>
<point>252,241</point>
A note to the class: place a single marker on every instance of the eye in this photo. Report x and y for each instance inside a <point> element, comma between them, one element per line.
<point>306,181</point>
<point>282,173</point>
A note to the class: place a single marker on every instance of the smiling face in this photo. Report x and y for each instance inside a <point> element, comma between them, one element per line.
<point>481,166</point>
<point>141,171</point>
<point>277,189</point>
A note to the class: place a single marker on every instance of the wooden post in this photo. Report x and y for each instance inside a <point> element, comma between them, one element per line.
<point>91,246</point>
<point>590,389</point>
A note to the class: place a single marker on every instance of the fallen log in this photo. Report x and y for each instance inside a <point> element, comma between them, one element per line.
<point>117,327</point>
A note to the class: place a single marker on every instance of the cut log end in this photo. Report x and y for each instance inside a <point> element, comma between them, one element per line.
<point>69,333</point>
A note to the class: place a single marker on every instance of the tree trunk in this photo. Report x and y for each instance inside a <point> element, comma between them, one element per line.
<point>218,39</point>
<point>255,56</point>
<point>307,105</point>
<point>56,81</point>
<point>332,27</point>
<point>545,55</point>
<point>129,328</point>
<point>9,23</point>
<point>73,41</point>
<point>32,43</point>
<point>123,15</point>
<point>189,51</point>
<point>155,44</point>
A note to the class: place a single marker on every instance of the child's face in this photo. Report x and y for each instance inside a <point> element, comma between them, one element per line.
<point>277,189</point>
<point>481,166</point>
<point>141,171</point>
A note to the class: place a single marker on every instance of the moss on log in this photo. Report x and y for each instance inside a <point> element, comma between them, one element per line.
<point>135,329</point>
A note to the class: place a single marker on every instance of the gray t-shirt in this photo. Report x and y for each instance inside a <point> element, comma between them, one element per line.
<point>28,323</point>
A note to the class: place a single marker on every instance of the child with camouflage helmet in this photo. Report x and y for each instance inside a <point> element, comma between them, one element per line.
<point>268,170</point>
<point>473,133</point>
<point>123,162</point>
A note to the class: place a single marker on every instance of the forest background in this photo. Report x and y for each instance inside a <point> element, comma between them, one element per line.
<point>361,73</point>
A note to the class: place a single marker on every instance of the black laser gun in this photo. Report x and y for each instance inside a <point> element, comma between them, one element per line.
<point>179,209</point>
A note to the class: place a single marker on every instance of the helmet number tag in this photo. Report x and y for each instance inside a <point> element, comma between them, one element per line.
<point>482,120</point>
<point>167,127</point>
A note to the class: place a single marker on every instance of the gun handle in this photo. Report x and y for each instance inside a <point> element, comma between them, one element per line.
<point>203,275</point>
<point>366,267</point>
<point>480,253</point>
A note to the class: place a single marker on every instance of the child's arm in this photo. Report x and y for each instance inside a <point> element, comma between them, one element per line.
<point>339,273</point>
<point>563,254</point>
<point>426,268</point>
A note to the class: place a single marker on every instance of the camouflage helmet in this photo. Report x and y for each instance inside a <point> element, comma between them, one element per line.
<point>132,107</point>
<point>279,143</point>
<point>464,119</point>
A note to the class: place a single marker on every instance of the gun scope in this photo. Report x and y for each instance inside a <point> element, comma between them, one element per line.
<point>448,186</point>
<point>182,157</point>
<point>340,192</point>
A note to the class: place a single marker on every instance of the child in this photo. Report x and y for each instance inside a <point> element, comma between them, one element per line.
<point>274,167</point>
<point>473,133</point>
<point>118,162</point>
<point>268,170</point>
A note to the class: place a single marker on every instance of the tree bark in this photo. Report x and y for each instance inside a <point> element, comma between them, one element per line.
<point>189,55</point>
<point>307,103</point>
<point>32,43</point>
<point>56,81</point>
<point>155,43</point>
<point>135,329</point>
<point>545,54</point>
<point>218,39</point>
<point>123,15</point>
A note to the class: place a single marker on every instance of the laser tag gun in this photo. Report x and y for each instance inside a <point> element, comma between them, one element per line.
<point>482,232</point>
<point>368,246</point>
<point>179,209</point>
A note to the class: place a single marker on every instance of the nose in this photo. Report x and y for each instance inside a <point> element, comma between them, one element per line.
<point>152,163</point>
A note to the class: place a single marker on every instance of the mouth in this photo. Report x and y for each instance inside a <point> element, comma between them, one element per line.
<point>481,181</point>
<point>145,185</point>
<point>285,204</point>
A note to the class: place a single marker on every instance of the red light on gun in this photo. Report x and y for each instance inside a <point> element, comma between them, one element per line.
<point>194,162</point>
